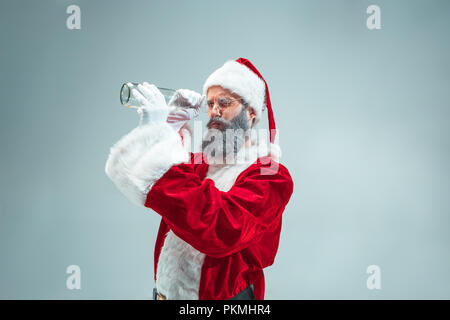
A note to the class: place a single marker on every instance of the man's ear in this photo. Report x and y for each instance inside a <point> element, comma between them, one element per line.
<point>251,114</point>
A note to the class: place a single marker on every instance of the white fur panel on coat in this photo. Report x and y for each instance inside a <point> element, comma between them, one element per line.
<point>141,157</point>
<point>179,269</point>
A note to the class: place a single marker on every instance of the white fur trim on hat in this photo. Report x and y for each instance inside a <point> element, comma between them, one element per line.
<point>241,80</point>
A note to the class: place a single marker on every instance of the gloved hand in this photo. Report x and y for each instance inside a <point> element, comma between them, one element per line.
<point>185,105</point>
<point>153,107</point>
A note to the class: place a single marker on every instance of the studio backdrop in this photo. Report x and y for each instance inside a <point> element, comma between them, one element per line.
<point>360,94</point>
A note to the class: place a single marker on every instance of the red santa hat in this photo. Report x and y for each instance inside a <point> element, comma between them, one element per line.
<point>241,77</point>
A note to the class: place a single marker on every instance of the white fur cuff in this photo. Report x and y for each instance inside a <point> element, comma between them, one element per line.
<point>157,161</point>
<point>161,148</point>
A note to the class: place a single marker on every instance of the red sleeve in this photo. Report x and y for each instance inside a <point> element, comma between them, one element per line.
<point>220,223</point>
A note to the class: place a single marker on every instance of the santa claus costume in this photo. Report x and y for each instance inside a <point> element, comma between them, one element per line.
<point>221,223</point>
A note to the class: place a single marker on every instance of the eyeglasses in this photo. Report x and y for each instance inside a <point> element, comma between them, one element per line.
<point>223,102</point>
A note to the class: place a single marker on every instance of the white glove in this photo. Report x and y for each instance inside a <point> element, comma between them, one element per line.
<point>153,107</point>
<point>185,105</point>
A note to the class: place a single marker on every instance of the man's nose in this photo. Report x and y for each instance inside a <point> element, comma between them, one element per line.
<point>215,111</point>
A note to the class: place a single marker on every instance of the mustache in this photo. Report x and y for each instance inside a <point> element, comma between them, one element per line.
<point>220,120</point>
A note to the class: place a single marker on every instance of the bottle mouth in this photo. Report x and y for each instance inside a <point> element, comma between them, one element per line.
<point>125,94</point>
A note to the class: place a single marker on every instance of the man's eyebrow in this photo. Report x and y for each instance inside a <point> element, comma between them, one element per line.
<point>227,96</point>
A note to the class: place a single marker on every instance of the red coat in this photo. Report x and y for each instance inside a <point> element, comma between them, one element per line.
<point>238,230</point>
<point>220,224</point>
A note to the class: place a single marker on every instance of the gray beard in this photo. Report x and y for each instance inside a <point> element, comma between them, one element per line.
<point>220,146</point>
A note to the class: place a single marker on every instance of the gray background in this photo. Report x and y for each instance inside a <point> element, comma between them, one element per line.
<point>363,118</point>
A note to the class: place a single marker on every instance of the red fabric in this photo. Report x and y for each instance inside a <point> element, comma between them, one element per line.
<point>238,231</point>
<point>271,119</point>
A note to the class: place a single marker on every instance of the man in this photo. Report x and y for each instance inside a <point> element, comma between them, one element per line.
<point>221,220</point>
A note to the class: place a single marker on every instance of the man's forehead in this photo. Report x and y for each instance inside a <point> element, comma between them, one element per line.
<point>216,91</point>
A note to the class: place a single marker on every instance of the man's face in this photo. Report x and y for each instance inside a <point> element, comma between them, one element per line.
<point>229,121</point>
<point>224,106</point>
